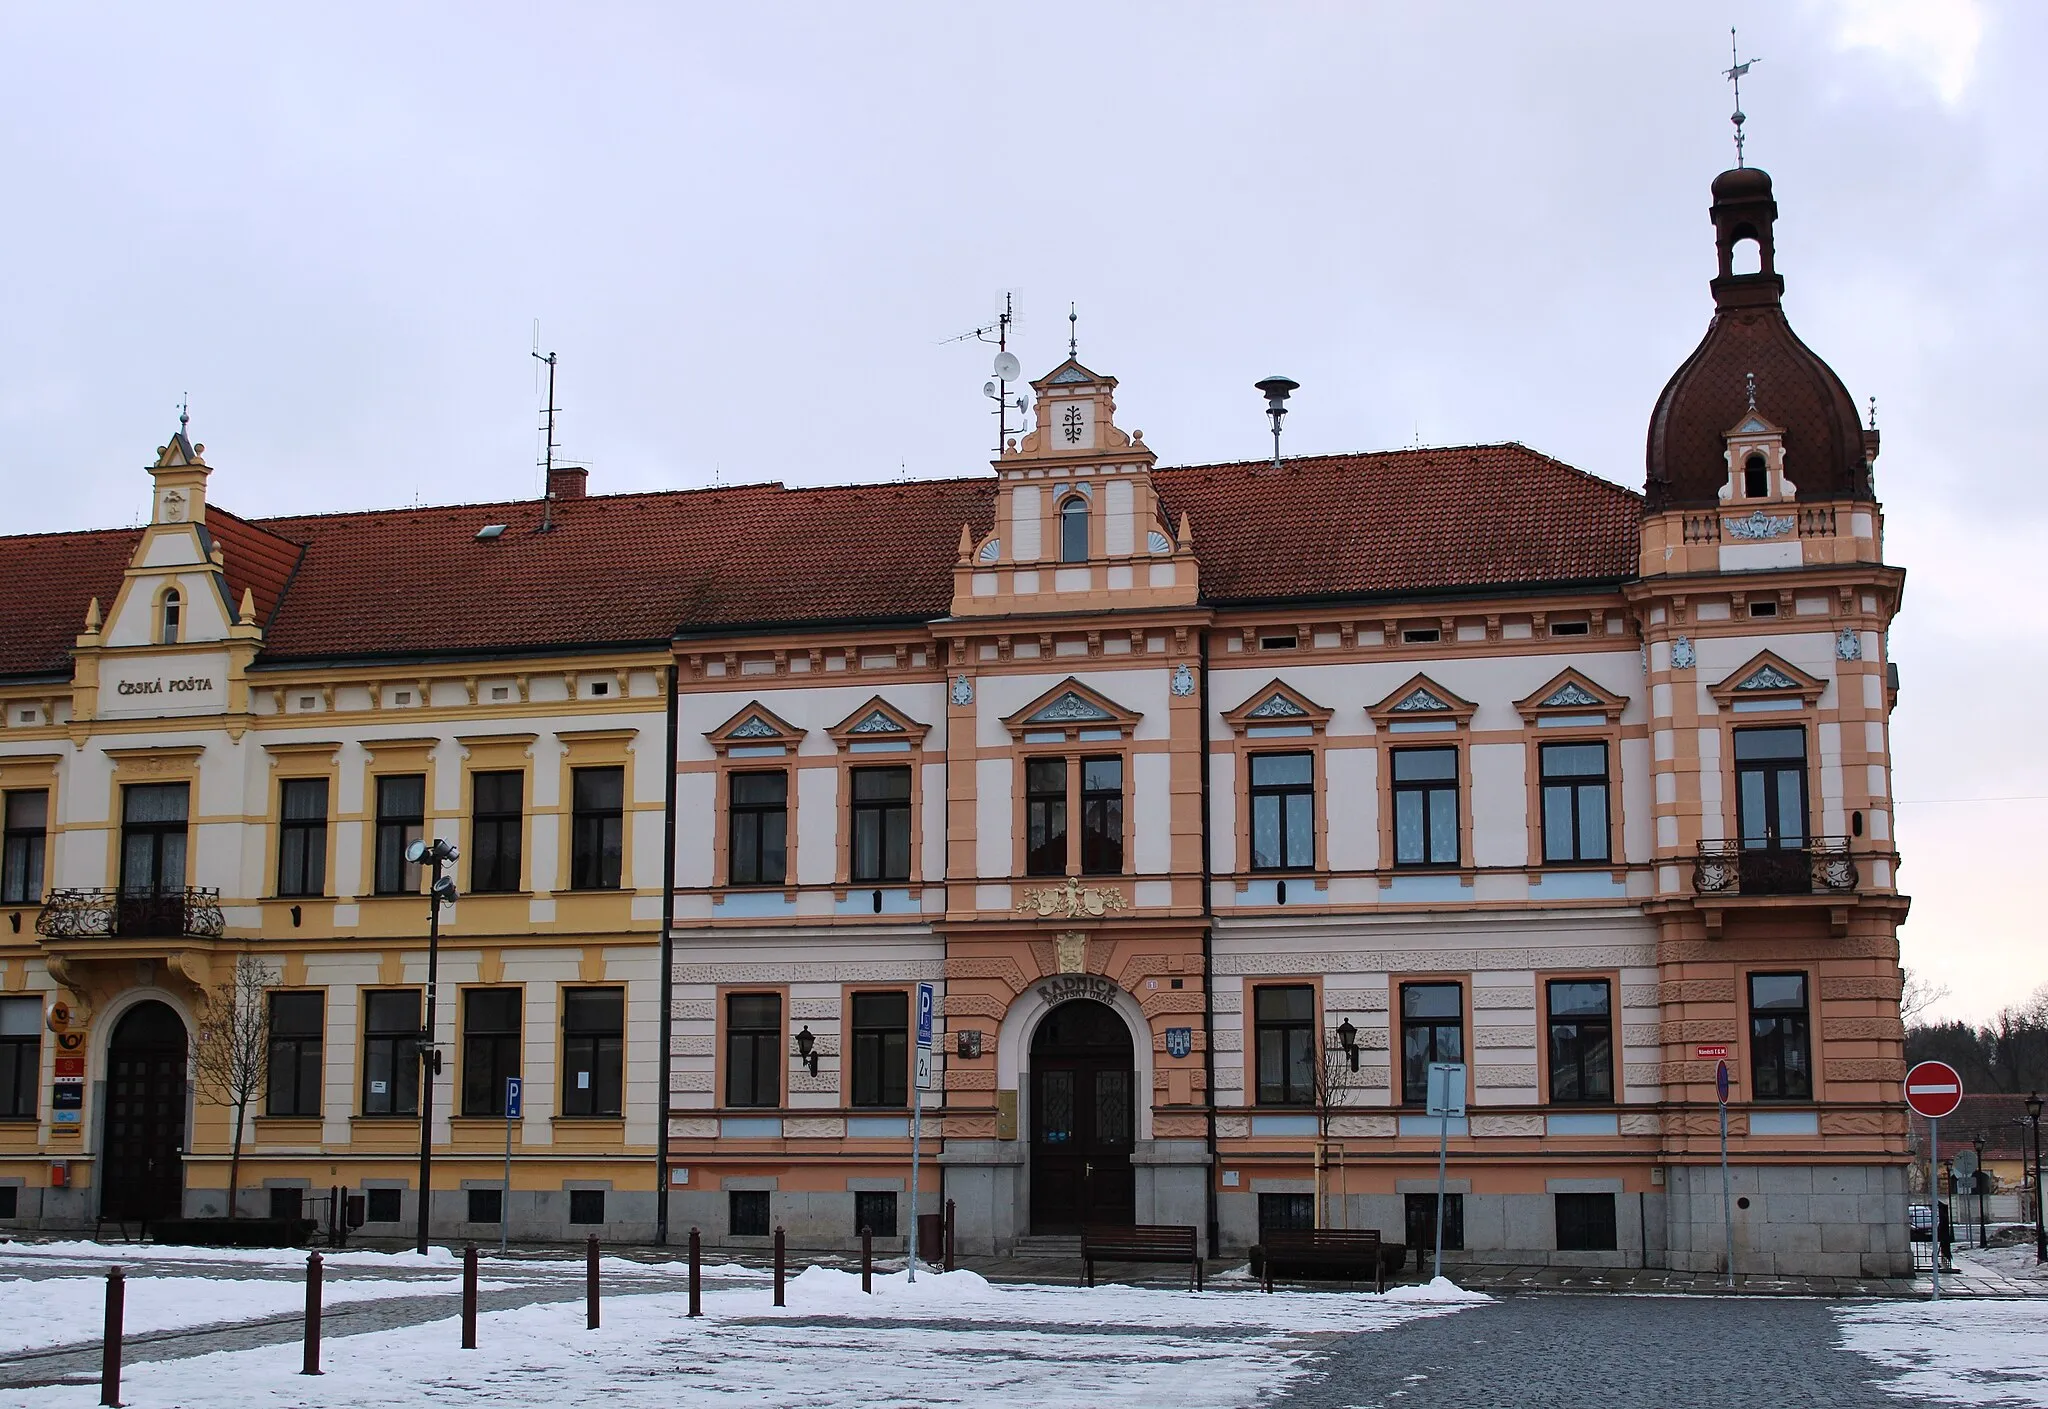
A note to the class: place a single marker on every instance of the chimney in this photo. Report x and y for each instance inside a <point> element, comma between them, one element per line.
<point>567,482</point>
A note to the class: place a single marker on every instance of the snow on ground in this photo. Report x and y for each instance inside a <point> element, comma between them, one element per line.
<point>1975,1351</point>
<point>2017,1261</point>
<point>952,1338</point>
<point>50,1311</point>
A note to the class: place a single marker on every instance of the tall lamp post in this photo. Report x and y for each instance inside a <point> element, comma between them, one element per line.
<point>438,853</point>
<point>2040,1230</point>
<point>1980,1183</point>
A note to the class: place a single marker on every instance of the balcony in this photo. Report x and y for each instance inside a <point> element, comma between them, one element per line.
<point>1822,867</point>
<point>113,914</point>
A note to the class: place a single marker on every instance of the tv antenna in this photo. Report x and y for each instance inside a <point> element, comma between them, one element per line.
<point>1737,68</point>
<point>1007,369</point>
<point>547,458</point>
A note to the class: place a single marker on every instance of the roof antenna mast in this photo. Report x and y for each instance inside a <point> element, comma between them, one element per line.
<point>1737,67</point>
<point>1007,370</point>
<point>547,459</point>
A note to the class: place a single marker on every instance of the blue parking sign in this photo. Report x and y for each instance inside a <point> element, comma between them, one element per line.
<point>924,1015</point>
<point>512,1093</point>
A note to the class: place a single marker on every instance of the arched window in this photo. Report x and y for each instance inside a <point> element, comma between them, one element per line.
<point>1756,478</point>
<point>1074,530</point>
<point>1747,256</point>
<point>168,628</point>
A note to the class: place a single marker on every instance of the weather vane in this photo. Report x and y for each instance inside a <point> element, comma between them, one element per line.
<point>184,412</point>
<point>1749,385</point>
<point>1073,332</point>
<point>1737,67</point>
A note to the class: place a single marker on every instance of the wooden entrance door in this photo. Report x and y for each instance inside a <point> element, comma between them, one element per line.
<point>142,1172</point>
<point>1083,1119</point>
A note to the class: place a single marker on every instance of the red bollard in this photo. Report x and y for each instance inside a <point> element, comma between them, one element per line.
<point>469,1296</point>
<point>312,1365</point>
<point>696,1273</point>
<point>590,1283</point>
<point>867,1258</point>
<point>949,1235</point>
<point>110,1340</point>
<point>778,1266</point>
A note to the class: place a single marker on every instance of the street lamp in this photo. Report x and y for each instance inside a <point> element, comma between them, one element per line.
<point>1347,1038</point>
<point>2040,1232</point>
<point>807,1049</point>
<point>438,853</point>
<point>1982,1183</point>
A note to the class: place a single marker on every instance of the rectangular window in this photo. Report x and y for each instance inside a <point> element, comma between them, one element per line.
<point>881,1049</point>
<point>10,1200</point>
<point>302,836</point>
<point>391,1052</point>
<point>1770,788</point>
<point>295,1047</point>
<point>1780,1038</point>
<point>746,1213</point>
<point>1102,816</point>
<point>1585,1222</point>
<point>1286,1213</point>
<point>1421,1213</point>
<point>1426,807</point>
<point>753,1049</point>
<point>490,1048</point>
<point>383,1205</point>
<point>1432,1030</point>
<point>1581,1040</point>
<point>759,829</point>
<point>1045,817</point>
<point>1575,802</point>
<point>586,1205</point>
<point>21,1056</point>
<point>287,1203</point>
<point>874,1210</point>
<point>597,828</point>
<point>497,800</point>
<point>153,838</point>
<point>401,821</point>
<point>486,1205</point>
<point>1284,1020</point>
<point>1283,792</point>
<point>593,1051</point>
<point>27,824</point>
<point>881,825</point>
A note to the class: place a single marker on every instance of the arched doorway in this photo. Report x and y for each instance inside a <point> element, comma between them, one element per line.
<point>1083,1119</point>
<point>142,1173</point>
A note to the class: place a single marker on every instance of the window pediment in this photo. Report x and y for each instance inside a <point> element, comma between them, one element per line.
<point>754,726</point>
<point>1277,704</point>
<point>1767,676</point>
<point>1571,692</point>
<point>1070,708</point>
<point>1419,701</point>
<point>878,722</point>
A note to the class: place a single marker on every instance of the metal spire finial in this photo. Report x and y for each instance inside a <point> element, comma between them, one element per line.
<point>1749,385</point>
<point>1073,332</point>
<point>1737,67</point>
<point>184,412</point>
<point>1873,413</point>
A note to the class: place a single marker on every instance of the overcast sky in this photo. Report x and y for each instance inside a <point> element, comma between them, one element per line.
<point>749,230</point>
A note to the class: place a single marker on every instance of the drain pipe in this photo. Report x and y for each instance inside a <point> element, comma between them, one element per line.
<point>1209,1176</point>
<point>665,1022</point>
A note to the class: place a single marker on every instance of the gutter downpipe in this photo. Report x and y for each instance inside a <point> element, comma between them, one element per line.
<point>668,917</point>
<point>1209,1176</point>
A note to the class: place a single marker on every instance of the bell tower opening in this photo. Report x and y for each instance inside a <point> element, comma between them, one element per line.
<point>1756,478</point>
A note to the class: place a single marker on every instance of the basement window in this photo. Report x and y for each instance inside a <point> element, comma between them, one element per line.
<point>1570,628</point>
<point>1278,643</point>
<point>600,687</point>
<point>1421,636</point>
<point>1763,608</point>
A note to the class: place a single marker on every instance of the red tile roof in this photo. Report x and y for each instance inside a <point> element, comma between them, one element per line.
<point>637,568</point>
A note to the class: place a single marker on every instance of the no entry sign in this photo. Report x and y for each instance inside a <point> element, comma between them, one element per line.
<point>1934,1089</point>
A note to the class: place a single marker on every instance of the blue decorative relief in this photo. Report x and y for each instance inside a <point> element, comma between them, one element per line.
<point>877,723</point>
<point>1682,657</point>
<point>1760,525</point>
<point>1768,677</point>
<point>756,728</point>
<point>1848,645</point>
<point>1157,542</point>
<point>1419,699</point>
<point>1571,693</point>
<point>963,690</point>
<point>1068,708</point>
<point>1183,681</point>
<point>1278,707</point>
<point>991,550</point>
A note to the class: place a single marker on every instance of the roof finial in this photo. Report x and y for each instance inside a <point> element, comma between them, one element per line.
<point>184,412</point>
<point>1737,67</point>
<point>1073,332</point>
<point>1873,413</point>
<point>1749,385</point>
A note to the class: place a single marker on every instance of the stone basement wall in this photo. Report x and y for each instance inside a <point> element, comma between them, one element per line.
<point>1802,1220</point>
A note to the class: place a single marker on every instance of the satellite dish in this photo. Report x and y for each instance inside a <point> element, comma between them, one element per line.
<point>1007,366</point>
<point>988,389</point>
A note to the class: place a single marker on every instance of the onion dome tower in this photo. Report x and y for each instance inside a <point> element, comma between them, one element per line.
<point>1752,366</point>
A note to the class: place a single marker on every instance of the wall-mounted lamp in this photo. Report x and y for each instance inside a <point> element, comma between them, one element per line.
<point>807,1049</point>
<point>1347,1038</point>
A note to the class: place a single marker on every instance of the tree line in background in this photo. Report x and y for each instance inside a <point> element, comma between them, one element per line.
<point>2008,1054</point>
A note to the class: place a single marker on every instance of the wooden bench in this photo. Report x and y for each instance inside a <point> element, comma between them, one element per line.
<point>1327,1254</point>
<point>1143,1242</point>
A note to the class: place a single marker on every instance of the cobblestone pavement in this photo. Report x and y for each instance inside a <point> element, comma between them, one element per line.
<point>1592,1352</point>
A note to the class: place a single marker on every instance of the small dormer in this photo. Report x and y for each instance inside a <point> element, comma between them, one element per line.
<point>1756,460</point>
<point>1077,525</point>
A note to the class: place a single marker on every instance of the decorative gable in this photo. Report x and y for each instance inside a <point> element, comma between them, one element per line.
<point>1421,705</point>
<point>1277,707</point>
<point>1071,710</point>
<point>757,730</point>
<point>1767,681</point>
<point>878,727</point>
<point>1570,695</point>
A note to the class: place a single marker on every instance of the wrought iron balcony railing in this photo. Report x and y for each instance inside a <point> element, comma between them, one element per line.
<point>116,914</point>
<point>1822,867</point>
